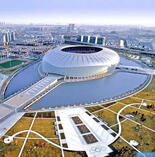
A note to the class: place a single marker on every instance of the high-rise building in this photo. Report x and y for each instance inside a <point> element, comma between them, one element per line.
<point>79,38</point>
<point>85,39</point>
<point>101,41</point>
<point>4,38</point>
<point>123,43</point>
<point>93,40</point>
<point>10,37</point>
<point>7,37</point>
<point>13,36</point>
<point>71,27</point>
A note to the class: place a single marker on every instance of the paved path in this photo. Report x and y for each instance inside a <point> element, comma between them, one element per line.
<point>143,99</point>
<point>135,69</point>
<point>133,120</point>
<point>64,148</point>
<point>138,108</point>
<point>9,122</point>
<point>120,127</point>
<point>27,96</point>
<point>126,140</point>
<point>21,150</point>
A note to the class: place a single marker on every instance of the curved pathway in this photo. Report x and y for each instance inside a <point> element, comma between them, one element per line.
<point>42,137</point>
<point>120,127</point>
<point>61,147</point>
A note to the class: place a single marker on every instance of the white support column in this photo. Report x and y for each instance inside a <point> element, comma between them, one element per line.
<point>81,38</point>
<point>95,40</point>
<point>89,39</point>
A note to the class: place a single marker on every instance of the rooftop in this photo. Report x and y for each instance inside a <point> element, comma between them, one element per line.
<point>82,49</point>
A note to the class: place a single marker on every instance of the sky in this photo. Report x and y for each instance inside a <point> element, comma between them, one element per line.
<point>96,12</point>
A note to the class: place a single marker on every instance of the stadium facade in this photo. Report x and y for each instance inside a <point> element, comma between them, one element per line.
<point>80,62</point>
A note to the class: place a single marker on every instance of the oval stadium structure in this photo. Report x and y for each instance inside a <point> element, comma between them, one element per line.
<point>80,61</point>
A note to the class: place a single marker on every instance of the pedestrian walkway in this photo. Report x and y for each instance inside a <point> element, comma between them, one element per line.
<point>27,96</point>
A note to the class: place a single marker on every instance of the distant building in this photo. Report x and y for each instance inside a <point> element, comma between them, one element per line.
<point>7,37</point>
<point>79,38</point>
<point>71,27</point>
<point>13,36</point>
<point>101,41</point>
<point>85,39</point>
<point>4,38</point>
<point>92,39</point>
<point>123,43</point>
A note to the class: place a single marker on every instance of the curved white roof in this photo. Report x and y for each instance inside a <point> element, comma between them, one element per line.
<point>62,59</point>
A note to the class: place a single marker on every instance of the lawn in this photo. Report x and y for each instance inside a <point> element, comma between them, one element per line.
<point>107,116</point>
<point>145,137</point>
<point>22,124</point>
<point>74,154</point>
<point>93,108</point>
<point>149,92</point>
<point>116,107</point>
<point>44,127</point>
<point>120,143</point>
<point>150,118</point>
<point>131,100</point>
<point>40,148</point>
<point>11,63</point>
<point>10,150</point>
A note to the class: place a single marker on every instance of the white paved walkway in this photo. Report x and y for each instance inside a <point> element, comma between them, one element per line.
<point>74,138</point>
<point>21,150</point>
<point>26,96</point>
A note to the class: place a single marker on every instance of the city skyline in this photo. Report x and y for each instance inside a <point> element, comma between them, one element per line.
<point>97,12</point>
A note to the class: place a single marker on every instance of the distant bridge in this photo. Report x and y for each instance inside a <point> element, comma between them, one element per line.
<point>135,69</point>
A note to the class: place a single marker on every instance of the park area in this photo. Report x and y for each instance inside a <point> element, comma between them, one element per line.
<point>137,124</point>
<point>35,145</point>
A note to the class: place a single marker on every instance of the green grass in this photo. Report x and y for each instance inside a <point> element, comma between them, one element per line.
<point>12,63</point>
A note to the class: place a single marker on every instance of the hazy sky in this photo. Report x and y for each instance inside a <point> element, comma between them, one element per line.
<point>139,12</point>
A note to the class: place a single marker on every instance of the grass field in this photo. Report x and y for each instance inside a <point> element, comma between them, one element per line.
<point>45,127</point>
<point>40,148</point>
<point>10,150</point>
<point>74,154</point>
<point>22,124</point>
<point>107,116</point>
<point>93,108</point>
<point>149,92</point>
<point>150,118</point>
<point>144,137</point>
<point>116,107</point>
<point>119,144</point>
<point>11,63</point>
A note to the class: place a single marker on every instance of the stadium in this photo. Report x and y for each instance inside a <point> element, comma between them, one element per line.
<point>80,62</point>
<point>85,74</point>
